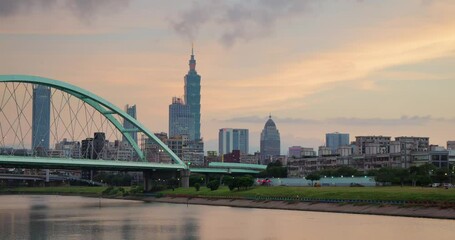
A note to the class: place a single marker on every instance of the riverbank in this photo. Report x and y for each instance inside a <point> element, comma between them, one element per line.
<point>391,201</point>
<point>387,210</point>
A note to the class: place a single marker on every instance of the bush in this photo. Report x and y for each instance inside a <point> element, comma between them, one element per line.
<point>197,186</point>
<point>136,190</point>
<point>107,191</point>
<point>115,191</point>
<point>241,182</point>
<point>227,180</point>
<point>213,185</point>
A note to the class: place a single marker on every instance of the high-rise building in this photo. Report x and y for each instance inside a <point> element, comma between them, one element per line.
<point>270,140</point>
<point>87,148</point>
<point>130,110</point>
<point>98,145</point>
<point>41,112</point>
<point>336,140</point>
<point>193,97</point>
<point>230,139</point>
<point>241,140</point>
<point>181,121</point>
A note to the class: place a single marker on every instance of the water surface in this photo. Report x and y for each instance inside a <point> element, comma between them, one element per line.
<point>67,217</point>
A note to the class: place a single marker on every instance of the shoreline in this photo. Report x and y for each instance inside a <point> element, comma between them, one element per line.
<point>384,210</point>
<point>418,211</point>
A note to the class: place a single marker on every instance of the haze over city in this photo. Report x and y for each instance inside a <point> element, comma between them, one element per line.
<point>361,67</point>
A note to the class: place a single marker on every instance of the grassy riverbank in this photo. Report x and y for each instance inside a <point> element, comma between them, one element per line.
<point>342,193</point>
<point>345,193</point>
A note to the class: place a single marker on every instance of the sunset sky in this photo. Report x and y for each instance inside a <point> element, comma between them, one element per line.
<point>360,67</point>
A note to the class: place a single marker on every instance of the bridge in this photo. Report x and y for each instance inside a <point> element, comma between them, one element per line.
<point>88,132</point>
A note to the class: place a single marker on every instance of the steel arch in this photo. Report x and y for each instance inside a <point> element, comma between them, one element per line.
<point>101,105</point>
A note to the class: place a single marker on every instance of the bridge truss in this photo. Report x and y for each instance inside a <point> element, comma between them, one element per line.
<point>49,119</point>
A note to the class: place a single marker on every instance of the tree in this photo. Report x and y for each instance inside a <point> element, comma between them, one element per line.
<point>313,177</point>
<point>197,186</point>
<point>213,185</point>
<point>196,178</point>
<point>274,169</point>
<point>385,175</point>
<point>246,182</point>
<point>346,171</point>
<point>173,183</point>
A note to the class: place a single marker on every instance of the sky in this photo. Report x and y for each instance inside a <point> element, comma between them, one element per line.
<point>353,66</point>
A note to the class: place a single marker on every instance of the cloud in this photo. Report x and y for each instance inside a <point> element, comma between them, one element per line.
<point>244,20</point>
<point>85,10</point>
<point>402,121</point>
<point>257,119</point>
<point>12,7</point>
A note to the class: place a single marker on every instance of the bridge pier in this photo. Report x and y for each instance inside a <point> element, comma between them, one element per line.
<point>185,178</point>
<point>148,183</point>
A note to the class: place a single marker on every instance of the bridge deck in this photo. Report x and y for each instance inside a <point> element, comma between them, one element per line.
<point>42,162</point>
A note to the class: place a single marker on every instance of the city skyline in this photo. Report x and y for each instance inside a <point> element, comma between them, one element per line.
<point>364,68</point>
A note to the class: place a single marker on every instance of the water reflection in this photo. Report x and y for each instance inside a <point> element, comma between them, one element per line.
<point>57,217</point>
<point>37,221</point>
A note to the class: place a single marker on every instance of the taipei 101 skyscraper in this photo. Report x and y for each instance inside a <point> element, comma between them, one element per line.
<point>193,96</point>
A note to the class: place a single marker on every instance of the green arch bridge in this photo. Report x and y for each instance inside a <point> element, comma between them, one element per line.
<point>112,113</point>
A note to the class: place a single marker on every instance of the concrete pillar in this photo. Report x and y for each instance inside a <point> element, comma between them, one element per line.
<point>221,180</point>
<point>185,178</point>
<point>47,175</point>
<point>207,179</point>
<point>147,181</point>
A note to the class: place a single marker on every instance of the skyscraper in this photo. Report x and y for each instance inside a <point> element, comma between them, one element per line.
<point>41,112</point>
<point>270,140</point>
<point>230,139</point>
<point>336,140</point>
<point>181,121</point>
<point>130,110</point>
<point>193,96</point>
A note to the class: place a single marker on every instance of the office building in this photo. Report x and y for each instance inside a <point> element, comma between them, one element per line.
<point>41,112</point>
<point>374,144</point>
<point>270,140</point>
<point>230,139</point>
<point>130,110</point>
<point>336,140</point>
<point>181,121</point>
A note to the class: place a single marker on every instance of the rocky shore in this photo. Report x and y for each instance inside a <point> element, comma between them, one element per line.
<point>389,210</point>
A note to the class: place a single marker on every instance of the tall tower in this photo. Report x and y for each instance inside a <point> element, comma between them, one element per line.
<point>270,140</point>
<point>193,96</point>
<point>41,119</point>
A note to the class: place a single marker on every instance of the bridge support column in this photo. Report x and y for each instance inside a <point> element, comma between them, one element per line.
<point>185,178</point>
<point>147,175</point>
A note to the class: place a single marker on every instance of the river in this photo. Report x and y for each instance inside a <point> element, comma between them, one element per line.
<point>68,217</point>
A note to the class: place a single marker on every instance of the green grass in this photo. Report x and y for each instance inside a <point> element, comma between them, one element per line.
<point>353,193</point>
<point>55,190</point>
